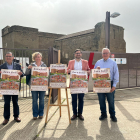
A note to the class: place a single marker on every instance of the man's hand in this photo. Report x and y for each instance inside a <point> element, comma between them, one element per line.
<point>30,67</point>
<point>88,72</point>
<point>69,71</point>
<point>0,71</point>
<point>112,89</point>
<point>20,73</point>
<point>98,67</point>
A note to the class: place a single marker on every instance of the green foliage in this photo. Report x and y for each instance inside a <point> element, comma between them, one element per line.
<point>58,74</point>
<point>73,79</point>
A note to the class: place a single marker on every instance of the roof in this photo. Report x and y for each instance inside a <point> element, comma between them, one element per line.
<point>76,34</point>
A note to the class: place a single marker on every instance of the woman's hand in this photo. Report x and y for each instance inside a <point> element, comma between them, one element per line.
<point>30,67</point>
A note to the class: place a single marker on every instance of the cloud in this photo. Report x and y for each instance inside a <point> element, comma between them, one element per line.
<point>69,16</point>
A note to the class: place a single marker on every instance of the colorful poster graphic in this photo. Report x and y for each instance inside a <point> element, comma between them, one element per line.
<point>101,80</point>
<point>58,76</point>
<point>78,81</point>
<point>9,82</point>
<point>39,78</point>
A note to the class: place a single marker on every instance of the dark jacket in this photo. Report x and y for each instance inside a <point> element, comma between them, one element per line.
<point>16,66</point>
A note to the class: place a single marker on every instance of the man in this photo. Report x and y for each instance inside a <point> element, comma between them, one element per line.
<point>106,62</point>
<point>78,64</point>
<point>9,64</point>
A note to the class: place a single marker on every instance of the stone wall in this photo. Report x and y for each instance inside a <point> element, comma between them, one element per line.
<point>88,40</point>
<point>26,37</point>
<point>91,40</point>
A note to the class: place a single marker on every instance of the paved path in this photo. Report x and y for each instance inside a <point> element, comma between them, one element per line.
<point>127,106</point>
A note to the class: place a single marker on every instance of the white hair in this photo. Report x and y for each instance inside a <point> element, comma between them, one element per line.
<point>105,49</point>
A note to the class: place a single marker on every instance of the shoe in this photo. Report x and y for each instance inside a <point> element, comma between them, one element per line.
<point>17,119</point>
<point>5,122</point>
<point>113,118</point>
<point>102,117</point>
<point>40,117</point>
<point>34,118</point>
<point>73,117</point>
<point>80,117</point>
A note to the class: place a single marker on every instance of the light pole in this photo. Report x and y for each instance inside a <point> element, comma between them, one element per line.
<point>107,27</point>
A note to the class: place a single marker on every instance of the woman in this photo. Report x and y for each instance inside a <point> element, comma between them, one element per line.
<point>37,111</point>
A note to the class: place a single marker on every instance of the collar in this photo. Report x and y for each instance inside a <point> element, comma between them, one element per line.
<point>106,60</point>
<point>78,61</point>
<point>9,65</point>
<point>36,64</point>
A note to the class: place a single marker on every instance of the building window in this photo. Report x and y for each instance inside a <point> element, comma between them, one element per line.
<point>114,33</point>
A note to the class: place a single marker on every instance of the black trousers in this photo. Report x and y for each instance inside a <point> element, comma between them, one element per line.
<point>80,103</point>
<point>7,99</point>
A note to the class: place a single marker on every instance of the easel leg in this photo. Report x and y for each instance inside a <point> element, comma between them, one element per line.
<point>60,101</point>
<point>68,105</point>
<point>48,105</point>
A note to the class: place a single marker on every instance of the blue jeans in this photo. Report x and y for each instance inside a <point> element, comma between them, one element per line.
<point>80,103</point>
<point>38,110</point>
<point>110,99</point>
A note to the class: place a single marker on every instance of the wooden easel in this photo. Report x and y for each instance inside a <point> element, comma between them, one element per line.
<point>59,98</point>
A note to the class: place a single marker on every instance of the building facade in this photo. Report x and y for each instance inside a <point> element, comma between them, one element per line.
<point>88,40</point>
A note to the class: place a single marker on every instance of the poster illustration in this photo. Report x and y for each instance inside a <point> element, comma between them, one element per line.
<point>9,82</point>
<point>39,78</point>
<point>78,81</point>
<point>58,76</point>
<point>101,80</point>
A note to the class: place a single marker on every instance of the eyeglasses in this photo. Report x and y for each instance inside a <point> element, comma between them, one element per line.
<point>77,53</point>
<point>105,53</point>
<point>9,56</point>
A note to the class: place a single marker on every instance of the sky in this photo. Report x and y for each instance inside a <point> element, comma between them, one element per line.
<point>70,16</point>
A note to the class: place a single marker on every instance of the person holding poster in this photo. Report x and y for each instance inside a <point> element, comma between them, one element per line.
<point>106,62</point>
<point>37,111</point>
<point>9,64</point>
<point>78,64</point>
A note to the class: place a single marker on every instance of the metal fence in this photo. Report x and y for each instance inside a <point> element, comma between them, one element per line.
<point>129,73</point>
<point>24,58</point>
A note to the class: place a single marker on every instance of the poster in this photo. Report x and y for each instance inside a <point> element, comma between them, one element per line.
<point>58,76</point>
<point>101,80</point>
<point>9,82</point>
<point>39,78</point>
<point>78,81</point>
<point>120,60</point>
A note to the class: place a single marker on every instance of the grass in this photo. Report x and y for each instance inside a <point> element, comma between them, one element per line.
<point>23,80</point>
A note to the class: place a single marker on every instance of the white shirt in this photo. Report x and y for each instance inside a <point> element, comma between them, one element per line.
<point>78,65</point>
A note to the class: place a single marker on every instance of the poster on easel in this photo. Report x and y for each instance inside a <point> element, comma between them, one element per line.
<point>58,76</point>
<point>39,79</point>
<point>101,80</point>
<point>9,82</point>
<point>78,81</point>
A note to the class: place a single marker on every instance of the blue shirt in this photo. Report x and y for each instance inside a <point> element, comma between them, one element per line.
<point>109,63</point>
<point>10,66</point>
